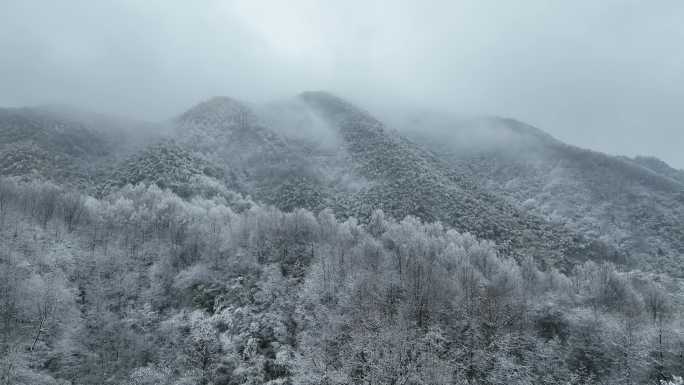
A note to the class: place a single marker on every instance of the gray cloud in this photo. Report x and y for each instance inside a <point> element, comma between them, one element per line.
<point>607,75</point>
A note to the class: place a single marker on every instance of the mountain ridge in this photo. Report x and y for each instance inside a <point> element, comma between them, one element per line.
<point>635,208</point>
<point>368,164</point>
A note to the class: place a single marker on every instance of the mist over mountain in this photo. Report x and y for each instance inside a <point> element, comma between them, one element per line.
<point>632,204</point>
<point>358,192</point>
<point>307,240</point>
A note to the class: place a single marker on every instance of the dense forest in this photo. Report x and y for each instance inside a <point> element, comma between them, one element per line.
<point>311,192</point>
<point>141,286</point>
<point>634,206</point>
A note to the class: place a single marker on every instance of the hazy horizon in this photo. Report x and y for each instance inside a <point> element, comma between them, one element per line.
<point>605,76</point>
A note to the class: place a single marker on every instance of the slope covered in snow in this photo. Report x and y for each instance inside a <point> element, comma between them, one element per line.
<point>637,206</point>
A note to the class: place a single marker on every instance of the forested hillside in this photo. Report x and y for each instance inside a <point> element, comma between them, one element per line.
<point>166,165</point>
<point>67,146</point>
<point>350,162</point>
<point>305,241</point>
<point>256,159</point>
<point>656,165</point>
<point>404,179</point>
<point>35,143</point>
<point>312,192</point>
<point>635,206</point>
<point>144,287</point>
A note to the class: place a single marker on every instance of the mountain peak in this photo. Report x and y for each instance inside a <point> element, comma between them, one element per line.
<point>330,104</point>
<point>219,110</point>
<point>319,94</point>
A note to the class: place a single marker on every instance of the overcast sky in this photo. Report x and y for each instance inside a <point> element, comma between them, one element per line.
<point>607,75</point>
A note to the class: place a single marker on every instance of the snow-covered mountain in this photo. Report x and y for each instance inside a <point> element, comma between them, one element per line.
<point>308,241</point>
<point>66,145</point>
<point>635,205</point>
<point>499,179</point>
